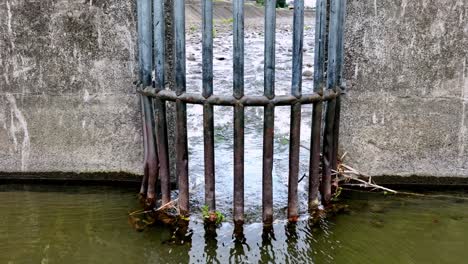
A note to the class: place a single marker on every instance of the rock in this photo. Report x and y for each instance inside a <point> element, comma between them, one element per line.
<point>191,57</point>
<point>196,71</point>
<point>307,73</point>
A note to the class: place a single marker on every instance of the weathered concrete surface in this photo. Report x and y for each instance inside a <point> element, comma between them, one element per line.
<point>67,100</point>
<point>406,65</point>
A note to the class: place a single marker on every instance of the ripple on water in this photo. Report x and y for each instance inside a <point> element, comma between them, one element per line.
<point>70,224</point>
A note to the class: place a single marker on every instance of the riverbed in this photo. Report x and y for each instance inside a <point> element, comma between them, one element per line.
<point>223,116</point>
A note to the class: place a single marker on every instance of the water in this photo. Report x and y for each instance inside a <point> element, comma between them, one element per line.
<point>223,116</point>
<point>70,224</point>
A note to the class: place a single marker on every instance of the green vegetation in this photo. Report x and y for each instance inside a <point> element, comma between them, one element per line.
<point>227,20</point>
<point>212,217</point>
<point>192,29</point>
<point>284,140</point>
<point>337,194</point>
<point>279,3</point>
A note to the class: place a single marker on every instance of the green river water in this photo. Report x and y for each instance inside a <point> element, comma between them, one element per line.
<point>71,224</point>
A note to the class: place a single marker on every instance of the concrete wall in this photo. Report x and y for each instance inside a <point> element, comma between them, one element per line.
<point>406,111</point>
<point>67,100</point>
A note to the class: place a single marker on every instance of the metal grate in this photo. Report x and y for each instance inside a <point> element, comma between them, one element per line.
<point>328,68</point>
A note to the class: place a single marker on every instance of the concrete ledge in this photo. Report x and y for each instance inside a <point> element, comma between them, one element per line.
<point>421,181</point>
<point>73,178</point>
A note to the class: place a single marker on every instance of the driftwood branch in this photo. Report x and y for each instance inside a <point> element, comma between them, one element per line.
<point>169,204</point>
<point>347,173</point>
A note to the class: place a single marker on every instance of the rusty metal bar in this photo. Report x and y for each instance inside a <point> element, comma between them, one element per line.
<point>208,120</point>
<point>144,78</point>
<point>229,100</point>
<point>319,65</point>
<point>295,129</point>
<point>156,147</point>
<point>209,156</point>
<point>339,77</point>
<point>328,159</point>
<point>145,59</point>
<point>269,111</point>
<point>160,105</point>
<point>238,93</point>
<point>153,162</point>
<point>181,108</point>
<point>144,180</point>
<point>239,164</point>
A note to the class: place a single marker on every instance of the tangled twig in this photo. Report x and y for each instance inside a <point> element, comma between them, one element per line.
<point>346,173</point>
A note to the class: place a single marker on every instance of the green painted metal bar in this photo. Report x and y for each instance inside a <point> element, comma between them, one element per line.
<point>295,129</point>
<point>319,68</point>
<point>238,92</point>
<point>160,105</point>
<point>269,111</point>
<point>181,108</point>
<point>339,77</point>
<point>331,105</point>
<point>208,119</point>
<point>145,59</point>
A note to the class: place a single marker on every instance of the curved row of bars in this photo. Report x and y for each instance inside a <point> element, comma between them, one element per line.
<point>328,67</point>
<point>228,100</point>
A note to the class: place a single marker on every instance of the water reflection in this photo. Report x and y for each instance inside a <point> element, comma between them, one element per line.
<point>267,251</point>
<point>89,225</point>
<point>211,244</point>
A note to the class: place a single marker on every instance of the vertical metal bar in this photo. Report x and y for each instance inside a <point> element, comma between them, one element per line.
<point>144,180</point>
<point>331,105</point>
<point>238,87</point>
<point>208,129</point>
<point>295,129</point>
<point>160,105</point>
<point>238,164</point>
<point>153,162</point>
<point>208,121</point>
<point>145,59</point>
<point>339,77</point>
<point>141,22</point>
<point>145,41</point>
<point>319,65</point>
<point>269,115</point>
<point>181,108</point>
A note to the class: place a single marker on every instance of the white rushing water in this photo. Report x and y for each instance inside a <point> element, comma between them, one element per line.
<point>254,46</point>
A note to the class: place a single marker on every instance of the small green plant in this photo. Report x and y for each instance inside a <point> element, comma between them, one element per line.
<point>185,218</point>
<point>227,21</point>
<point>205,211</point>
<point>284,140</point>
<point>214,217</point>
<point>192,28</point>
<point>337,194</point>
